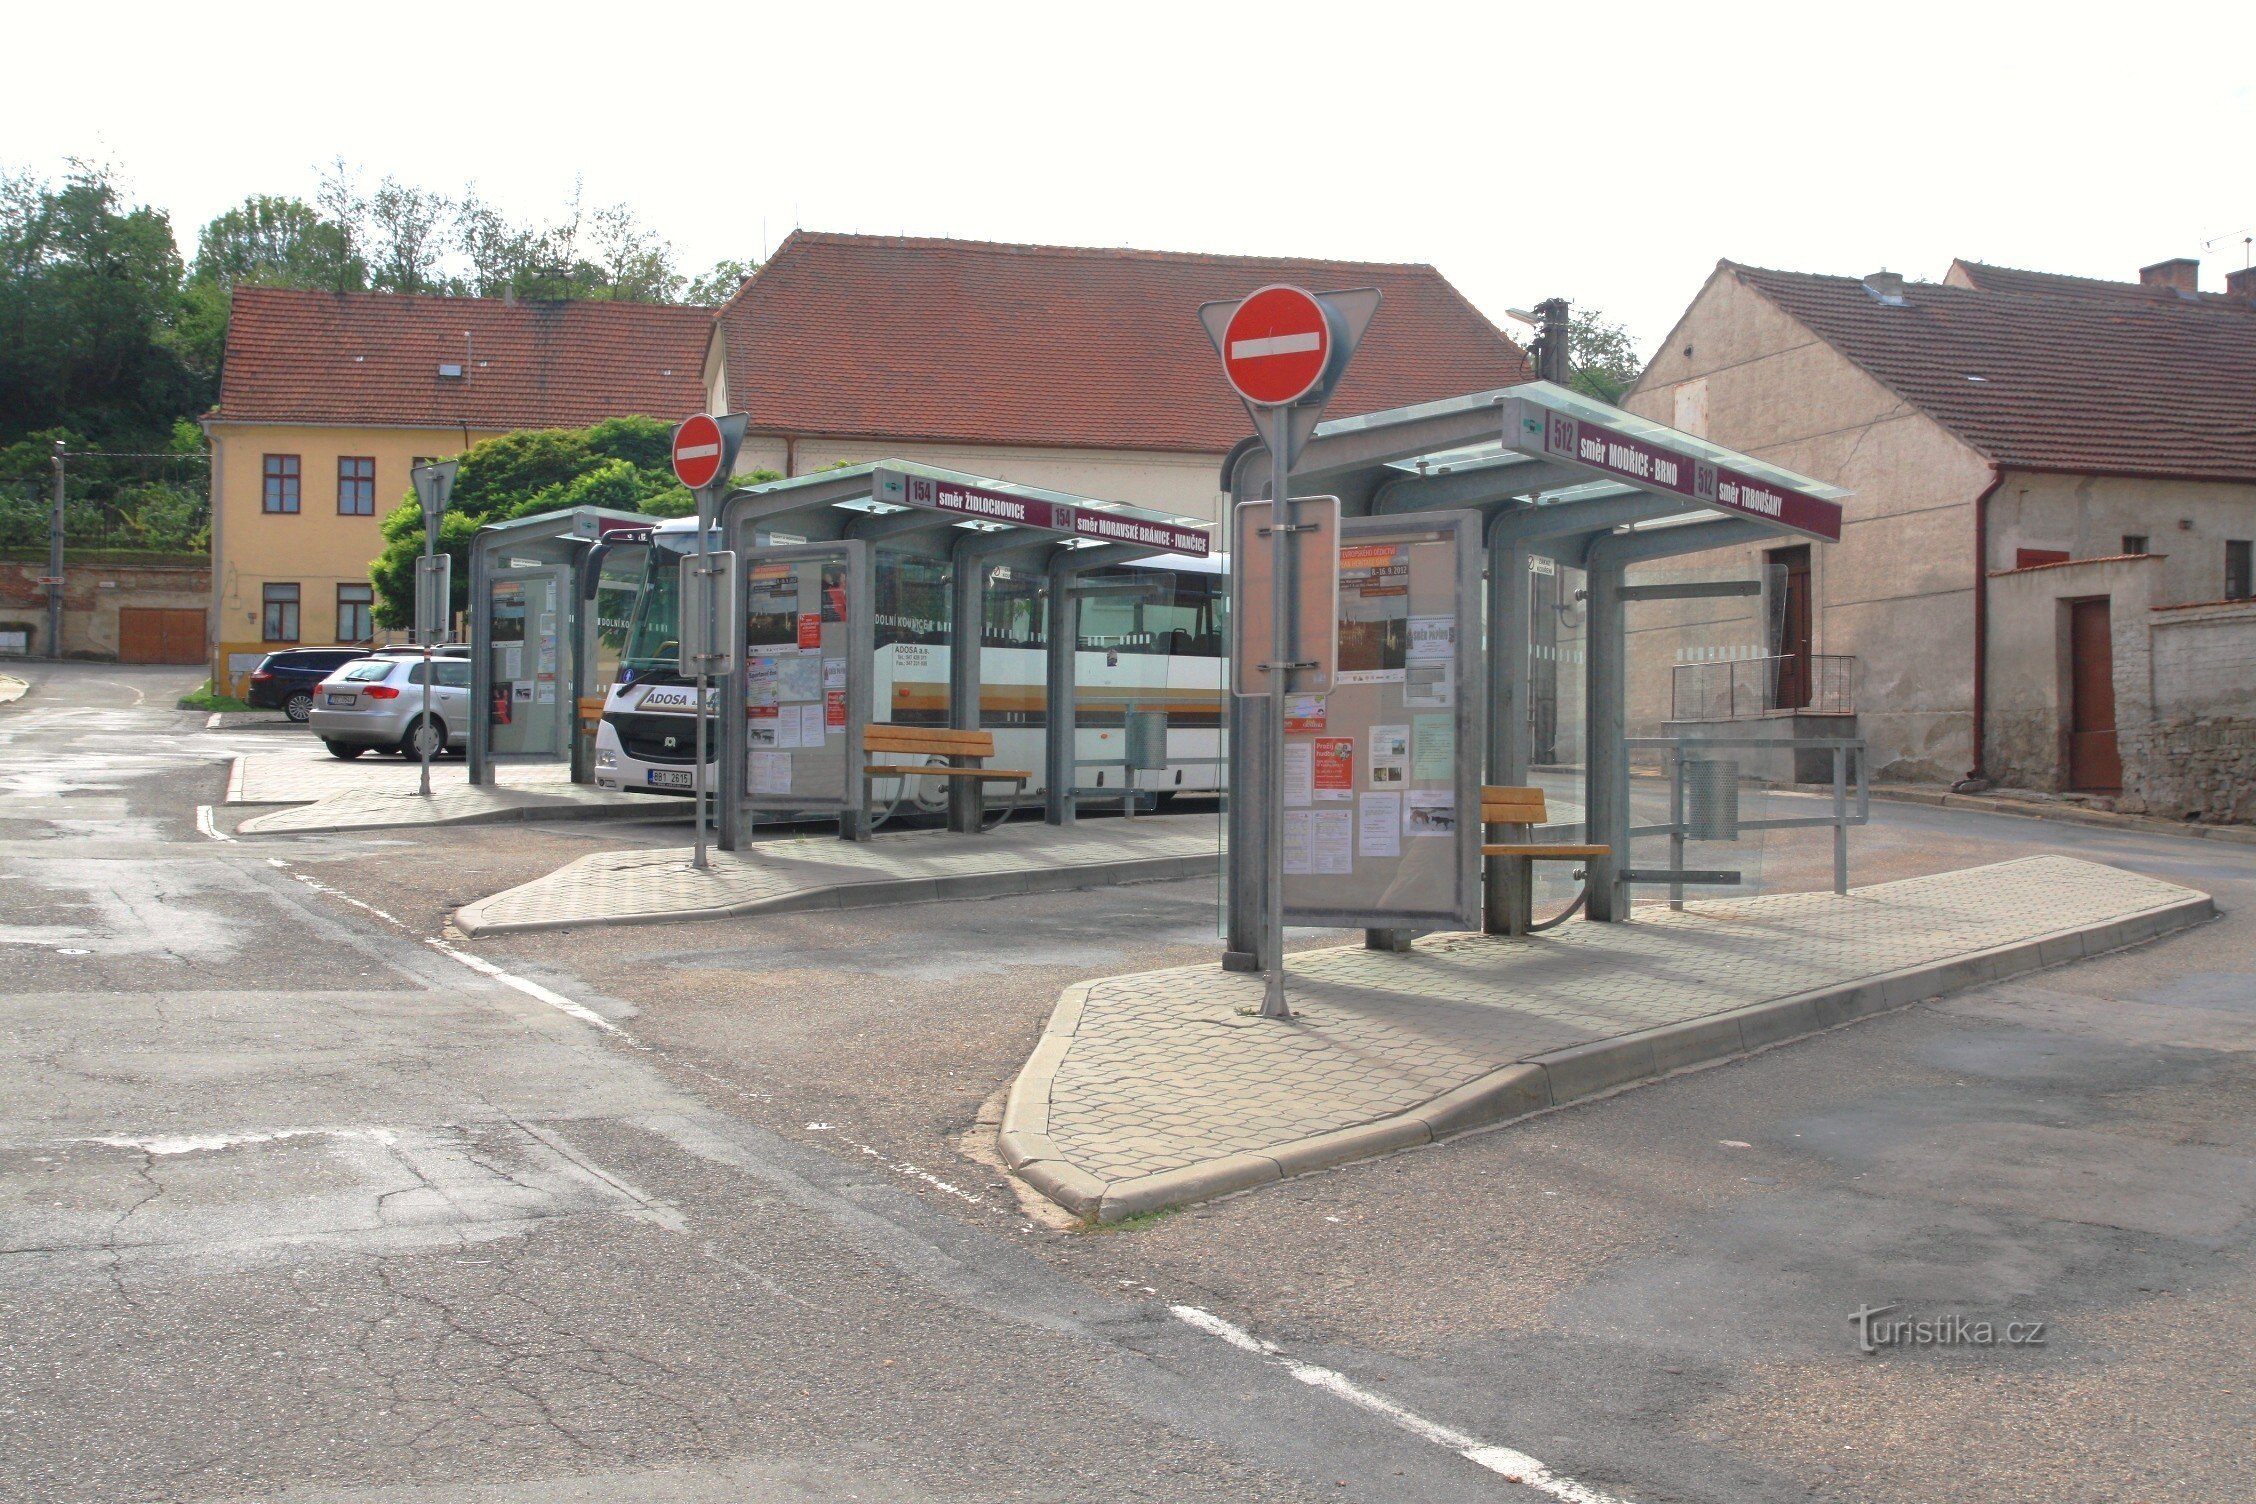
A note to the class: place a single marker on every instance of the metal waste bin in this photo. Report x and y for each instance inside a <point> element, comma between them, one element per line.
<point>1711,799</point>
<point>1147,740</point>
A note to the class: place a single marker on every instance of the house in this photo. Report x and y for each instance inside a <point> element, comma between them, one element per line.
<point>1083,370</point>
<point>327,399</point>
<point>2055,508</point>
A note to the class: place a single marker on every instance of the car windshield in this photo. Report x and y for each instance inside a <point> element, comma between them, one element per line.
<point>362,672</point>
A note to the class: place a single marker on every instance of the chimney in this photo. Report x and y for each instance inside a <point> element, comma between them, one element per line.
<point>2180,275</point>
<point>1887,287</point>
<point>2241,284</point>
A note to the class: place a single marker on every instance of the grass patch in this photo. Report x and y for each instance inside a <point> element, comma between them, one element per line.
<point>1138,1223</point>
<point>204,699</point>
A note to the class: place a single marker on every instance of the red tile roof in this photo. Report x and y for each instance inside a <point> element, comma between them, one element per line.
<point>2044,381</point>
<point>896,338</point>
<point>1976,274</point>
<point>373,359</point>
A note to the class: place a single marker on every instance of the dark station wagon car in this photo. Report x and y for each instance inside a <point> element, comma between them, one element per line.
<point>284,680</point>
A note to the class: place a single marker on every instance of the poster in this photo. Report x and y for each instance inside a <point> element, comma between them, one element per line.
<point>512,665</point>
<point>810,630</point>
<point>1429,683</point>
<point>1430,812</point>
<point>1300,859</point>
<point>1331,841</point>
<point>771,772</point>
<point>1300,773</point>
<point>1433,746</point>
<point>546,694</point>
<point>1303,714</point>
<point>1333,774</point>
<point>1390,756</point>
<point>811,725</point>
<point>1432,637</point>
<point>786,735</point>
<point>798,678</point>
<point>764,724</point>
<point>760,681</point>
<point>1379,828</point>
<point>834,707</point>
<point>834,673</point>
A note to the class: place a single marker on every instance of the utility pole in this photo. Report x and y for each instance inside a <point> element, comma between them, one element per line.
<point>55,562</point>
<point>1551,346</point>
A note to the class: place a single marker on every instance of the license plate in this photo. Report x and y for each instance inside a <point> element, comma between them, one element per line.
<point>344,699</point>
<point>666,778</point>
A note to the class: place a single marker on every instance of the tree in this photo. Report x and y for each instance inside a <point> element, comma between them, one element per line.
<point>1602,354</point>
<point>272,241</point>
<point>720,284</point>
<point>89,296</point>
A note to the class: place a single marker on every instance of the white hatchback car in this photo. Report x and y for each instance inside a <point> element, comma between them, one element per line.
<point>376,704</point>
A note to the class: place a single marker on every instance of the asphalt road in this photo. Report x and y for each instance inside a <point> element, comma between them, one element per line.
<point>297,1205</point>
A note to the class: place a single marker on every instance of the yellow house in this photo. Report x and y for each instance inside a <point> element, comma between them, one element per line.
<point>327,399</point>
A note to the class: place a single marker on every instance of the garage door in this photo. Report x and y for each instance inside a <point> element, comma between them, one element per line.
<point>150,635</point>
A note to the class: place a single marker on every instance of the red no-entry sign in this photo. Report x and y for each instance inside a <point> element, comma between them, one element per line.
<point>1275,346</point>
<point>697,452</point>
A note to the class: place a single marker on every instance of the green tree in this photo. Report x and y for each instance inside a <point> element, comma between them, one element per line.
<point>1602,354</point>
<point>272,241</point>
<point>720,284</point>
<point>89,299</point>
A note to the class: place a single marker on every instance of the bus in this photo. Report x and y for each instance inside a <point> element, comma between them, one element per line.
<point>1152,636</point>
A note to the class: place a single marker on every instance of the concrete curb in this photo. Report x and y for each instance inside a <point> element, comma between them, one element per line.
<point>563,809</point>
<point>2067,814</point>
<point>1539,1082</point>
<point>877,891</point>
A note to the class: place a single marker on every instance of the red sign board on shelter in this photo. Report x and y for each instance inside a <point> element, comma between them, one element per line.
<point>697,452</point>
<point>1276,346</point>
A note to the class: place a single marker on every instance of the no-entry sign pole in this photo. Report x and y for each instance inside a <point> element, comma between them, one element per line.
<point>1284,350</point>
<point>704,455</point>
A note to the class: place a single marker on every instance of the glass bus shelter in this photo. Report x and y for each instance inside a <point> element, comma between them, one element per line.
<point>904,594</point>
<point>541,629</point>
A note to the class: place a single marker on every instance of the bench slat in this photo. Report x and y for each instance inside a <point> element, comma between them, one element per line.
<point>1546,853</point>
<point>890,770</point>
<point>919,739</point>
<point>1514,814</point>
<point>1507,793</point>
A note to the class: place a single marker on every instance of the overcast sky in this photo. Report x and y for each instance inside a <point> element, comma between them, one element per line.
<point>1610,154</point>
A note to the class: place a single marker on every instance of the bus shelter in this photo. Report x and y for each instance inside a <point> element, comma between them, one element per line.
<point>538,634</point>
<point>1530,472</point>
<point>902,593</point>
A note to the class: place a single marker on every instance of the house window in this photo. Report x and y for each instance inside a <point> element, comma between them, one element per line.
<point>354,602</point>
<point>2240,570</point>
<point>281,613</point>
<point>356,486</point>
<point>2134,543</point>
<point>281,489</point>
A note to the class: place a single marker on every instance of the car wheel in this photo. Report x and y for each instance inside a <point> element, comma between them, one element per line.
<point>299,707</point>
<point>344,749</point>
<point>428,731</point>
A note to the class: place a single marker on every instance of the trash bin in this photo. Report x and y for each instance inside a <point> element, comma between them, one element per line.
<point>1711,799</point>
<point>1147,740</point>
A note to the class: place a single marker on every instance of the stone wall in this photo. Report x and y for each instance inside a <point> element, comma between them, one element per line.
<point>94,589</point>
<point>2196,758</point>
<point>2026,732</point>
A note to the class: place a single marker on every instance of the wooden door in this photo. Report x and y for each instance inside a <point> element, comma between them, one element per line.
<point>2094,765</point>
<point>148,634</point>
<point>1790,573</point>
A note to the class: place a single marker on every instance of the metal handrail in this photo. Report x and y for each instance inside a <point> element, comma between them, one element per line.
<point>1738,689</point>
<point>1842,748</point>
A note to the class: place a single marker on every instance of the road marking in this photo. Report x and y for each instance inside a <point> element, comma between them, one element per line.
<point>1511,1466</point>
<point>1275,344</point>
<point>478,964</point>
<point>206,826</point>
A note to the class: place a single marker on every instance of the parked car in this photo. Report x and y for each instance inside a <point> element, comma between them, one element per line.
<point>376,705</point>
<point>285,681</point>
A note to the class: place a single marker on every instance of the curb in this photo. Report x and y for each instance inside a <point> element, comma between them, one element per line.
<point>879,891</point>
<point>1553,1079</point>
<point>563,810</point>
<point>2067,814</point>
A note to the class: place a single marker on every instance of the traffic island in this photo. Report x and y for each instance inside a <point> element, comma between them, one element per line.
<point>1167,1087</point>
<point>798,873</point>
<point>458,804</point>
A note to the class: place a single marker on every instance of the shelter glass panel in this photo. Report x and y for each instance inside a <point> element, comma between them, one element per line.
<point>796,670</point>
<point>524,711</point>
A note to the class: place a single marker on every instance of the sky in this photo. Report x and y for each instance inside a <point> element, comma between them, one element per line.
<point>1606,154</point>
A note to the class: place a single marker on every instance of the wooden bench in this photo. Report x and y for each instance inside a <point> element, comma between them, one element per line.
<point>966,753</point>
<point>591,713</point>
<point>1516,810</point>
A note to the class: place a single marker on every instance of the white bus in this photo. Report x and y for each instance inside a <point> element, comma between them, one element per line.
<point>1152,636</point>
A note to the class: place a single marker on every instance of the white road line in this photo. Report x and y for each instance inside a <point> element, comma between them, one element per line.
<point>205,825</point>
<point>478,964</point>
<point>1275,344</point>
<point>1511,1466</point>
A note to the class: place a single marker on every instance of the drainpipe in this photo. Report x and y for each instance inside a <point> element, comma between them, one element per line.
<point>1975,775</point>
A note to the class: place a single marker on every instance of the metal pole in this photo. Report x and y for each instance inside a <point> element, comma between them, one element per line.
<point>1285,651</point>
<point>1676,826</point>
<point>697,779</point>
<point>1840,820</point>
<point>55,562</point>
<point>423,630</point>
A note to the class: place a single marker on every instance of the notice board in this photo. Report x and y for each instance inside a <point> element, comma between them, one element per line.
<point>1381,776</point>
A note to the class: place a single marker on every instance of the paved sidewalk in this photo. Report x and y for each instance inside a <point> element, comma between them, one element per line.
<point>824,872</point>
<point>300,775</point>
<point>1165,1087</point>
<point>459,803</point>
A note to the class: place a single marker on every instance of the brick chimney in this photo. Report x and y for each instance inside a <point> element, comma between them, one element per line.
<point>2241,284</point>
<point>2182,274</point>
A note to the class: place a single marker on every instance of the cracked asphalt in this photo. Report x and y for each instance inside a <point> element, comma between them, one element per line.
<point>296,1206</point>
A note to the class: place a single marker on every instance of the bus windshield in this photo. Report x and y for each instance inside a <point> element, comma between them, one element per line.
<point>653,647</point>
